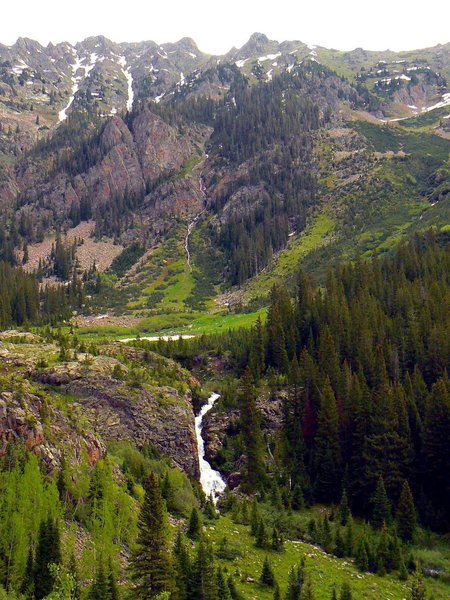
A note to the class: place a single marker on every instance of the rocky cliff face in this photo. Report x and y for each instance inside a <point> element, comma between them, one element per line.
<point>78,406</point>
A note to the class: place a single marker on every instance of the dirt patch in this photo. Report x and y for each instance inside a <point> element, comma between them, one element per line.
<point>106,320</point>
<point>101,252</point>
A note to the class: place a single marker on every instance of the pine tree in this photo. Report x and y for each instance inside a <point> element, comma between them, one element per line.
<point>73,570</point>
<point>307,591</point>
<point>417,588</point>
<point>437,453</point>
<point>295,583</point>
<point>339,544</point>
<point>361,556</point>
<point>222,586</point>
<point>195,525</point>
<point>99,589</point>
<point>346,592</point>
<point>349,538</point>
<point>381,506</point>
<point>327,455</point>
<point>203,584</point>
<point>182,564</point>
<point>150,563</point>
<point>267,577</point>
<point>298,501</point>
<point>47,553</point>
<point>113,590</point>
<point>403,571</point>
<point>28,579</point>
<point>261,535</point>
<point>233,590</point>
<point>251,433</point>
<point>406,517</point>
<point>344,510</point>
<point>277,540</point>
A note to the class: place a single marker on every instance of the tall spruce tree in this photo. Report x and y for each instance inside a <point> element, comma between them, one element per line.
<point>327,452</point>
<point>381,512</point>
<point>48,552</point>
<point>406,517</point>
<point>203,584</point>
<point>151,564</point>
<point>251,433</point>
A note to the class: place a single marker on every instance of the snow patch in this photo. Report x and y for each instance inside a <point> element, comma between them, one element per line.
<point>157,99</point>
<point>269,57</point>
<point>290,67</point>
<point>75,85</point>
<point>240,63</point>
<point>126,71</point>
<point>444,102</point>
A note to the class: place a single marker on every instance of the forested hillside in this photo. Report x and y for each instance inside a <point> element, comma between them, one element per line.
<point>224,273</point>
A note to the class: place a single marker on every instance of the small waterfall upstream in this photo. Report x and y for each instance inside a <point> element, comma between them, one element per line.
<point>210,480</point>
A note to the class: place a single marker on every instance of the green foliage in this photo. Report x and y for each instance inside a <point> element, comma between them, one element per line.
<point>150,564</point>
<point>406,517</point>
<point>267,577</point>
<point>195,525</point>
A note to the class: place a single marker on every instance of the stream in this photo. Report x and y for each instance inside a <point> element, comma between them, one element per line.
<point>210,480</point>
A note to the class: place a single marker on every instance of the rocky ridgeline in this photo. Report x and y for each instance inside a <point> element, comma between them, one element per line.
<point>75,407</point>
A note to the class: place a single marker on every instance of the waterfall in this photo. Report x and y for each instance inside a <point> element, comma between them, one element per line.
<point>210,480</point>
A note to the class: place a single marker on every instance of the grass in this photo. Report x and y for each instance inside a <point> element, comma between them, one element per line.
<point>427,120</point>
<point>172,324</point>
<point>287,262</point>
<point>325,570</point>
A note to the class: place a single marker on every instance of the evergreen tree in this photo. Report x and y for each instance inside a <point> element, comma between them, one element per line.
<point>406,517</point>
<point>346,592</point>
<point>339,544</point>
<point>47,553</point>
<point>195,525</point>
<point>99,589</point>
<point>349,538</point>
<point>251,433</point>
<point>261,535</point>
<point>267,577</point>
<point>113,590</point>
<point>437,453</point>
<point>222,586</point>
<point>295,583</point>
<point>233,590</point>
<point>381,506</point>
<point>417,588</point>
<point>182,564</point>
<point>150,563</point>
<point>307,591</point>
<point>344,510</point>
<point>361,556</point>
<point>327,455</point>
<point>203,585</point>
<point>28,579</point>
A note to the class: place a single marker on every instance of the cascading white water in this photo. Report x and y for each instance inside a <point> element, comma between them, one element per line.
<point>210,480</point>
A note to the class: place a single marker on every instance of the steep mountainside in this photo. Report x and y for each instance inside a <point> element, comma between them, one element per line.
<point>182,174</point>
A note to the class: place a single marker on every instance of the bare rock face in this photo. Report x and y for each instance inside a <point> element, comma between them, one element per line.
<point>159,146</point>
<point>218,425</point>
<point>24,417</point>
<point>161,417</point>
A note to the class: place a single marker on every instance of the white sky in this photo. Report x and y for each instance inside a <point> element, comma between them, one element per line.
<point>217,26</point>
